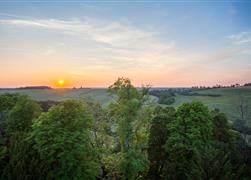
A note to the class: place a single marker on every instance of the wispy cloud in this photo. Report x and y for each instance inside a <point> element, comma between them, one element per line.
<point>123,42</point>
<point>112,33</point>
<point>241,38</point>
<point>98,46</point>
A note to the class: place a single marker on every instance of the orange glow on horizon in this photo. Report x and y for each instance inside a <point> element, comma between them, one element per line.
<point>60,83</point>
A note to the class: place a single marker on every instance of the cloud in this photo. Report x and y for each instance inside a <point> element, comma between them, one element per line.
<point>241,38</point>
<point>112,33</point>
<point>90,46</point>
<point>124,43</point>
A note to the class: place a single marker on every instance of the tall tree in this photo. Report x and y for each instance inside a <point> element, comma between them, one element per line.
<point>63,140</point>
<point>125,110</point>
<point>189,136</point>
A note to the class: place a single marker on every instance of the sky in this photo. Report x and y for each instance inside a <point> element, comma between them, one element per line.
<point>92,43</point>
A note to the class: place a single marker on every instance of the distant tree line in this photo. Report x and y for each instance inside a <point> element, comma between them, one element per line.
<point>221,86</point>
<point>247,84</point>
<point>129,139</point>
<point>199,94</point>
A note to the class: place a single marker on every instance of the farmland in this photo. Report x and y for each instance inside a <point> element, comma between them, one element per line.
<point>226,99</point>
<point>97,95</point>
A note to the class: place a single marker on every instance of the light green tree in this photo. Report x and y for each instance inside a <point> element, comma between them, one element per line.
<point>63,140</point>
<point>126,112</point>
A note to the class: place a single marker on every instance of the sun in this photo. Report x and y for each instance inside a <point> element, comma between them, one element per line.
<point>61,82</point>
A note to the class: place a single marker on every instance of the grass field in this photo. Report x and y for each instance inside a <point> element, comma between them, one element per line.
<point>96,95</point>
<point>227,101</point>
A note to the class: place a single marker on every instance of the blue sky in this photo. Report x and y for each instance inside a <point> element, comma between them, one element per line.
<point>160,43</point>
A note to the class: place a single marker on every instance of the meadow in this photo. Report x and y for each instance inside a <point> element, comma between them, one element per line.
<point>96,94</point>
<point>226,99</point>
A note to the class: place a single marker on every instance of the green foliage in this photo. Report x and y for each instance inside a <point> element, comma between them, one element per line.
<point>126,112</point>
<point>62,139</point>
<point>111,162</point>
<point>216,164</point>
<point>218,158</point>
<point>189,135</point>
<point>164,97</point>
<point>23,160</point>
<point>157,139</point>
<point>222,129</point>
<point>130,139</point>
<point>125,109</point>
<point>16,160</point>
<point>7,101</point>
<point>22,114</point>
<point>131,163</point>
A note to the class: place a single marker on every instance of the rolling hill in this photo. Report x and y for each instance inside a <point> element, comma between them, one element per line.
<point>225,99</point>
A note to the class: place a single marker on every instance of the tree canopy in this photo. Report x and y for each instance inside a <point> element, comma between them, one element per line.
<point>130,139</point>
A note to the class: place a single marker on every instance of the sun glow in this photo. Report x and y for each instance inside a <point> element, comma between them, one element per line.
<point>61,82</point>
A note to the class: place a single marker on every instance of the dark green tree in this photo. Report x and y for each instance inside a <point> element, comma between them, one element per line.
<point>18,126</point>
<point>157,139</point>
<point>220,160</point>
<point>22,115</point>
<point>102,135</point>
<point>189,136</point>
<point>222,131</point>
<point>7,102</point>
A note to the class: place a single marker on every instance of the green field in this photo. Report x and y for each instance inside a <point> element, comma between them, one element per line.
<point>96,95</point>
<point>227,101</point>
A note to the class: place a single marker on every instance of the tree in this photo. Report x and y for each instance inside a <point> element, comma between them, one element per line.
<point>63,140</point>
<point>221,128</point>
<point>216,158</point>
<point>242,125</point>
<point>157,138</point>
<point>125,110</point>
<point>18,126</point>
<point>22,114</point>
<point>102,136</point>
<point>189,136</point>
<point>7,102</point>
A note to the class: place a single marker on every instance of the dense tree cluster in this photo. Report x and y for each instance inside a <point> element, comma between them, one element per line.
<point>164,96</point>
<point>129,139</point>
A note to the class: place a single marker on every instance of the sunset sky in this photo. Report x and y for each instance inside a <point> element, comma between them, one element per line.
<point>93,43</point>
